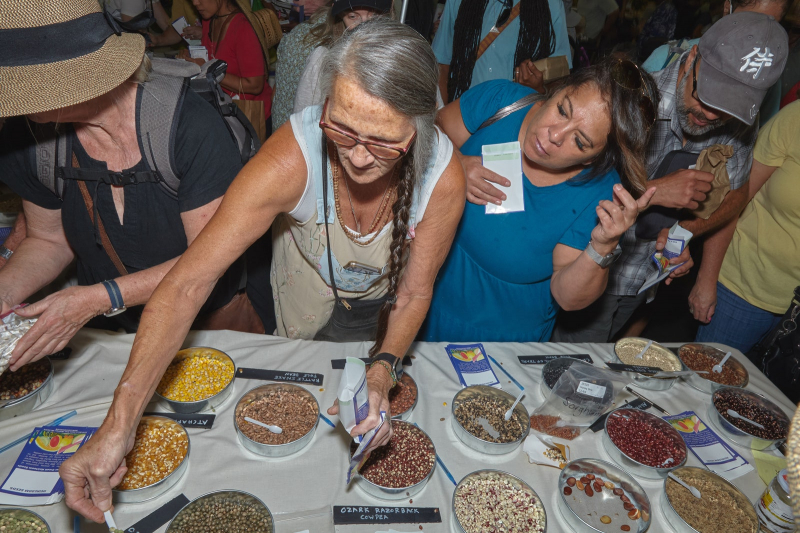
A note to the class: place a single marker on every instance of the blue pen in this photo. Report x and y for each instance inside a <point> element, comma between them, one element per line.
<point>76,524</point>
<point>498,365</point>
<point>444,468</point>
<point>56,422</point>
<point>325,418</point>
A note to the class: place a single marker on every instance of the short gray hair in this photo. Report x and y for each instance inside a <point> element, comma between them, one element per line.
<point>392,62</point>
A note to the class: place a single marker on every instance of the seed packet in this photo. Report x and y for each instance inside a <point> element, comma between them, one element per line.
<point>34,480</point>
<point>472,365</point>
<point>359,457</point>
<point>353,395</point>
<point>580,396</point>
<point>542,450</point>
<point>677,240</point>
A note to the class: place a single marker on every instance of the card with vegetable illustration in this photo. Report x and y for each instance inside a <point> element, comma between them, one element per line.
<point>472,365</point>
<point>34,480</point>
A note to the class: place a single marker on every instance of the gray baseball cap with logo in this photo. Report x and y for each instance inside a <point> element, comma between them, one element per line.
<point>742,56</point>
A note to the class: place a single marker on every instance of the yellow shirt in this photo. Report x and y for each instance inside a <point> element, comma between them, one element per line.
<point>184,8</point>
<point>762,264</point>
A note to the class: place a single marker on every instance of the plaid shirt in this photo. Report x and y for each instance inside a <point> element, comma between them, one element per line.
<point>629,272</point>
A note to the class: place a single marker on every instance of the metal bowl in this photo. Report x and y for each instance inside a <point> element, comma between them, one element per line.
<point>23,514</point>
<point>588,518</point>
<point>555,364</point>
<point>30,401</point>
<point>706,385</point>
<point>406,415</point>
<point>212,402</point>
<point>223,496</point>
<point>476,443</point>
<point>644,381</point>
<point>741,436</point>
<point>158,488</point>
<point>635,467</point>
<point>496,474</point>
<point>680,525</point>
<point>273,450</point>
<point>396,493</point>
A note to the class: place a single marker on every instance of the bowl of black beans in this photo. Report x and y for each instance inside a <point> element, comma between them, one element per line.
<point>552,371</point>
<point>223,511</point>
<point>738,413</point>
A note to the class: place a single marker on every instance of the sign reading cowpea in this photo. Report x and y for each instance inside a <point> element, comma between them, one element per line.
<point>367,514</point>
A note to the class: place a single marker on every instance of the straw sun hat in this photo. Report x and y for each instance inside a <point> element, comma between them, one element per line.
<point>57,53</point>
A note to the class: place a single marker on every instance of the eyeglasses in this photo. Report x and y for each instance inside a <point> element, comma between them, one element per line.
<point>504,14</point>
<point>379,150</point>
<point>628,75</point>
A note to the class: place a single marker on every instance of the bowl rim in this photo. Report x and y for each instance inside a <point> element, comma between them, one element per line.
<point>501,473</point>
<point>719,354</point>
<point>659,421</point>
<point>423,480</point>
<point>271,386</point>
<point>37,390</point>
<point>772,406</point>
<point>416,397</point>
<point>657,345</point>
<point>5,510</point>
<point>236,491</point>
<point>165,478</point>
<point>526,418</point>
<point>186,356</point>
<point>717,477</point>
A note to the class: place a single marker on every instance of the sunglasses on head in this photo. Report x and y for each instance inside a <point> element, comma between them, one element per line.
<point>628,75</point>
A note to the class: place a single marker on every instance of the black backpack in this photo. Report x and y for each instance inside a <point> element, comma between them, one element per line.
<point>159,106</point>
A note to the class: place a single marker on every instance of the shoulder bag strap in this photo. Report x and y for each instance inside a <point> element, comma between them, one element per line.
<point>339,301</point>
<point>511,108</point>
<point>107,246</point>
<point>489,39</point>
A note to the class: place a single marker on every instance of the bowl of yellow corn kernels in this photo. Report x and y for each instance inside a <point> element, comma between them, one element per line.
<point>197,379</point>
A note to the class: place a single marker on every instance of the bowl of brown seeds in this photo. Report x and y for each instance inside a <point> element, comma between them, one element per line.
<point>479,420</point>
<point>16,520</point>
<point>26,389</point>
<point>290,407</point>
<point>223,511</point>
<point>754,407</point>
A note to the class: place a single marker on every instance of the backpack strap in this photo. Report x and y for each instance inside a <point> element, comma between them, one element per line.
<point>52,149</point>
<point>509,109</point>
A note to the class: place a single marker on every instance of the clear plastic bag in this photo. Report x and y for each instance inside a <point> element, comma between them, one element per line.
<point>580,396</point>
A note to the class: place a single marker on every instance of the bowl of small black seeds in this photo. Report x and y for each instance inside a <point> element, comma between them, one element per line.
<point>14,520</point>
<point>753,407</point>
<point>479,420</point>
<point>552,371</point>
<point>223,511</point>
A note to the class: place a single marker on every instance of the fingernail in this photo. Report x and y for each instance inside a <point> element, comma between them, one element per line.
<point>505,197</point>
<point>507,183</point>
<point>617,187</point>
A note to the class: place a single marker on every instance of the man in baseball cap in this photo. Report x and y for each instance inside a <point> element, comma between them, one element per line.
<point>711,96</point>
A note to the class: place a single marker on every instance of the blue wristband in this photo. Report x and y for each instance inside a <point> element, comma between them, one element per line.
<point>115,295</point>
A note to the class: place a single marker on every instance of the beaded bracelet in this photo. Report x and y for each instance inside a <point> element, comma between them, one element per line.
<point>389,368</point>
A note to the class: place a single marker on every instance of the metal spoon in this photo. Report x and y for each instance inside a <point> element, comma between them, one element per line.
<point>647,347</point>
<point>508,414</point>
<point>734,414</point>
<point>274,429</point>
<point>693,490</point>
<point>718,368</point>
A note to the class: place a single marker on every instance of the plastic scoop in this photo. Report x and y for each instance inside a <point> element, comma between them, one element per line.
<point>112,526</point>
<point>718,368</point>
<point>644,351</point>
<point>485,424</point>
<point>734,414</point>
<point>679,481</point>
<point>508,414</point>
<point>274,429</point>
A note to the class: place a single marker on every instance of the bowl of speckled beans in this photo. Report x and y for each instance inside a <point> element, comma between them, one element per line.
<point>478,420</point>
<point>702,358</point>
<point>658,357</point>
<point>198,379</point>
<point>15,520</point>
<point>401,468</point>
<point>756,409</point>
<point>491,500</point>
<point>223,511</point>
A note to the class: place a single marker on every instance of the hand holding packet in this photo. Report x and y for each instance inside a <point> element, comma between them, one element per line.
<point>353,395</point>
<point>360,456</point>
<point>677,241</point>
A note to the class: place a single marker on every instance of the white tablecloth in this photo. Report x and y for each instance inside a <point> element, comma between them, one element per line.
<point>315,478</point>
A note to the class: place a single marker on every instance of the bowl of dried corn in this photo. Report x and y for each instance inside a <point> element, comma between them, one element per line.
<point>158,460</point>
<point>198,379</point>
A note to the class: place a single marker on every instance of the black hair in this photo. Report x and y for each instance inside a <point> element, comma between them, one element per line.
<point>536,39</point>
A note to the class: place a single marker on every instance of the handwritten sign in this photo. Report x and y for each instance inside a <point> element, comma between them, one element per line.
<point>338,364</point>
<point>544,359</point>
<point>159,517</point>
<point>305,378</point>
<point>363,514</point>
<point>189,421</point>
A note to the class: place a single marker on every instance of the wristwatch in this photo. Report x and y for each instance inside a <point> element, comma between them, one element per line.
<point>603,261</point>
<point>117,305</point>
<point>5,253</point>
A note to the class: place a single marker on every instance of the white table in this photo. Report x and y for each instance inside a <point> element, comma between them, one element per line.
<point>315,478</point>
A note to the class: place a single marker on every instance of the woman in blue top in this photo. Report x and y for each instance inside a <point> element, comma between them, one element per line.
<point>508,274</point>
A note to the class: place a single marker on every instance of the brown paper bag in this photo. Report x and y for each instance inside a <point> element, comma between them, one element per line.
<point>714,159</point>
<point>254,111</point>
<point>553,68</point>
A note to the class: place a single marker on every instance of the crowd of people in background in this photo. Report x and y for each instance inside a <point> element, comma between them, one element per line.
<point>364,215</point>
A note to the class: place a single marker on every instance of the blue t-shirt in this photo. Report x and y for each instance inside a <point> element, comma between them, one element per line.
<point>496,62</point>
<point>495,283</point>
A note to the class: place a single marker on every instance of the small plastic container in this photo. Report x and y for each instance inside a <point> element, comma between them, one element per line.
<point>655,354</point>
<point>604,510</point>
<point>746,437</point>
<point>206,404</point>
<point>703,384</point>
<point>477,392</point>
<point>774,509</point>
<point>182,524</point>
<point>17,513</point>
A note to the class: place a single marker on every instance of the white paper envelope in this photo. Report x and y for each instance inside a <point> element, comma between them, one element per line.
<point>505,159</point>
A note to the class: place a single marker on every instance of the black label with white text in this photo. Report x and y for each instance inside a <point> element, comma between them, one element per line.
<point>363,514</point>
<point>305,378</point>
<point>544,359</point>
<point>189,421</point>
<point>159,517</point>
<point>338,364</point>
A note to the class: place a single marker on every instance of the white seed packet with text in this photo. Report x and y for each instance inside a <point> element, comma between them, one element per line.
<point>353,394</point>
<point>505,159</point>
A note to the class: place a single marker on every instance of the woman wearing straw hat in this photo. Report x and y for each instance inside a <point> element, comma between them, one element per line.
<point>64,62</point>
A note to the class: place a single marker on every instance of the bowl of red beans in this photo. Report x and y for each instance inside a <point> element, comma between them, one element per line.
<point>728,402</point>
<point>643,443</point>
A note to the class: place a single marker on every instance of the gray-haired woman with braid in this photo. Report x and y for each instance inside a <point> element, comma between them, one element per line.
<point>394,192</point>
